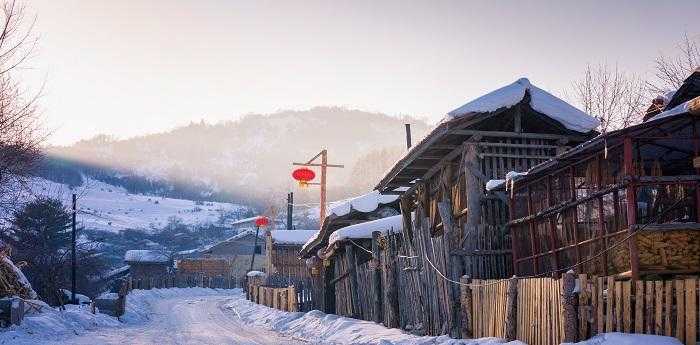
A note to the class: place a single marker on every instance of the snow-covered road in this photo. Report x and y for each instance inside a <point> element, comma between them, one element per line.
<point>194,320</point>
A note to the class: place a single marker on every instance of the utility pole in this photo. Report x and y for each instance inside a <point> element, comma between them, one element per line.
<point>72,255</point>
<point>324,166</point>
<point>290,209</point>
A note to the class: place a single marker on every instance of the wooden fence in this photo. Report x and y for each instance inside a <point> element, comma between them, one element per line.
<point>186,280</point>
<point>289,298</point>
<point>546,312</point>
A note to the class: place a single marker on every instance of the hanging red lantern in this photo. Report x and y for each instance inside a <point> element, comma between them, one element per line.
<point>262,221</point>
<point>303,175</point>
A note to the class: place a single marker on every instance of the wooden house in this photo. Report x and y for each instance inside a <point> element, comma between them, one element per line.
<point>340,214</point>
<point>282,254</point>
<point>451,227</point>
<point>146,264</point>
<point>235,252</point>
<point>626,203</point>
<point>349,250</point>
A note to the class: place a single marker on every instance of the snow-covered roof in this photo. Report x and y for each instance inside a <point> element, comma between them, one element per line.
<point>295,237</point>
<point>146,256</point>
<point>255,274</point>
<point>363,203</point>
<point>685,107</point>
<point>365,230</point>
<point>495,184</point>
<point>243,234</point>
<point>245,220</point>
<point>540,100</point>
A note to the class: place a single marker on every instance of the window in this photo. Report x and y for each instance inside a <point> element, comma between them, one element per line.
<point>258,249</point>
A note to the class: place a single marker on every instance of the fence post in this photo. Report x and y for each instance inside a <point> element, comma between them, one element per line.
<point>569,300</point>
<point>512,309</point>
<point>376,278</point>
<point>466,304</point>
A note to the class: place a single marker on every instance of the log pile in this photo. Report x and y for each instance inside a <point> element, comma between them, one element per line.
<point>12,280</point>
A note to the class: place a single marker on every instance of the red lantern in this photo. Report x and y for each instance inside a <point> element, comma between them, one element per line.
<point>303,175</point>
<point>262,221</point>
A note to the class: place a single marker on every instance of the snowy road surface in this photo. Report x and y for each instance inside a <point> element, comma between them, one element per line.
<point>194,320</point>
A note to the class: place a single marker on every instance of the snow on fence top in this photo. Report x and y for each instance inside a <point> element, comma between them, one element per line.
<point>540,100</point>
<point>363,203</point>
<point>146,256</point>
<point>297,237</point>
<point>364,230</point>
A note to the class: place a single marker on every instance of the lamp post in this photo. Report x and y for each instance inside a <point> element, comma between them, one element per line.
<point>260,221</point>
<point>305,175</point>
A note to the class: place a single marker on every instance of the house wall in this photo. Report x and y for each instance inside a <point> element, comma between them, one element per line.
<point>283,260</point>
<point>147,271</point>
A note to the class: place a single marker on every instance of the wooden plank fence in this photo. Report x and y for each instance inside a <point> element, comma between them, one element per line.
<point>186,280</point>
<point>596,305</point>
<point>659,307</point>
<point>282,298</point>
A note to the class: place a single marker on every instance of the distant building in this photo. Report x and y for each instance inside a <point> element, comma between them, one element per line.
<point>282,254</point>
<point>237,251</point>
<point>146,264</point>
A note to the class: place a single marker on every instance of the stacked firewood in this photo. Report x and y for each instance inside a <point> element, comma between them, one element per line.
<point>12,281</point>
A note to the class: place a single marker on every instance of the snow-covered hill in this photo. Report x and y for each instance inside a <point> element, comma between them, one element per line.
<point>102,206</point>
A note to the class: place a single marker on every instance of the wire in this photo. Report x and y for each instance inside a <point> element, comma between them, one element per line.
<point>543,274</point>
<point>361,247</point>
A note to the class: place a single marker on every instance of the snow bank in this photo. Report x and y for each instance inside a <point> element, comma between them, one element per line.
<point>297,237</point>
<point>365,230</point>
<point>55,326</point>
<point>540,100</point>
<point>146,256</point>
<point>363,203</point>
<point>628,339</point>
<point>324,328</point>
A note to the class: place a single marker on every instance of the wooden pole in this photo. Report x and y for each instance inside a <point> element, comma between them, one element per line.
<point>352,265</point>
<point>73,261</point>
<point>631,196</point>
<point>512,309</point>
<point>376,278</point>
<point>408,136</point>
<point>324,166</point>
<point>466,304</point>
<point>570,311</point>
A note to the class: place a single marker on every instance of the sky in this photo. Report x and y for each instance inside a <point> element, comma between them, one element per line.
<point>128,68</point>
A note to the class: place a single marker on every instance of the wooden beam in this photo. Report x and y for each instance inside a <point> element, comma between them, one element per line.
<point>522,146</point>
<point>516,135</point>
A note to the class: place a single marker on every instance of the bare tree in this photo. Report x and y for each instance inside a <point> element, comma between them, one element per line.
<point>615,98</point>
<point>670,71</point>
<point>20,131</point>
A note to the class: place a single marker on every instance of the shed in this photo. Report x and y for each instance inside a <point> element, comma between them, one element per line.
<point>282,254</point>
<point>451,225</point>
<point>626,203</point>
<point>359,209</point>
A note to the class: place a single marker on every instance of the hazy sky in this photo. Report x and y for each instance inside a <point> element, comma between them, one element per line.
<point>134,67</point>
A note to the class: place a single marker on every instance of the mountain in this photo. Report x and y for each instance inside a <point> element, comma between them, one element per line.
<point>246,161</point>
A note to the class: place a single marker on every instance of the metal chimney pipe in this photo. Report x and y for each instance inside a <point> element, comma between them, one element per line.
<point>408,136</point>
